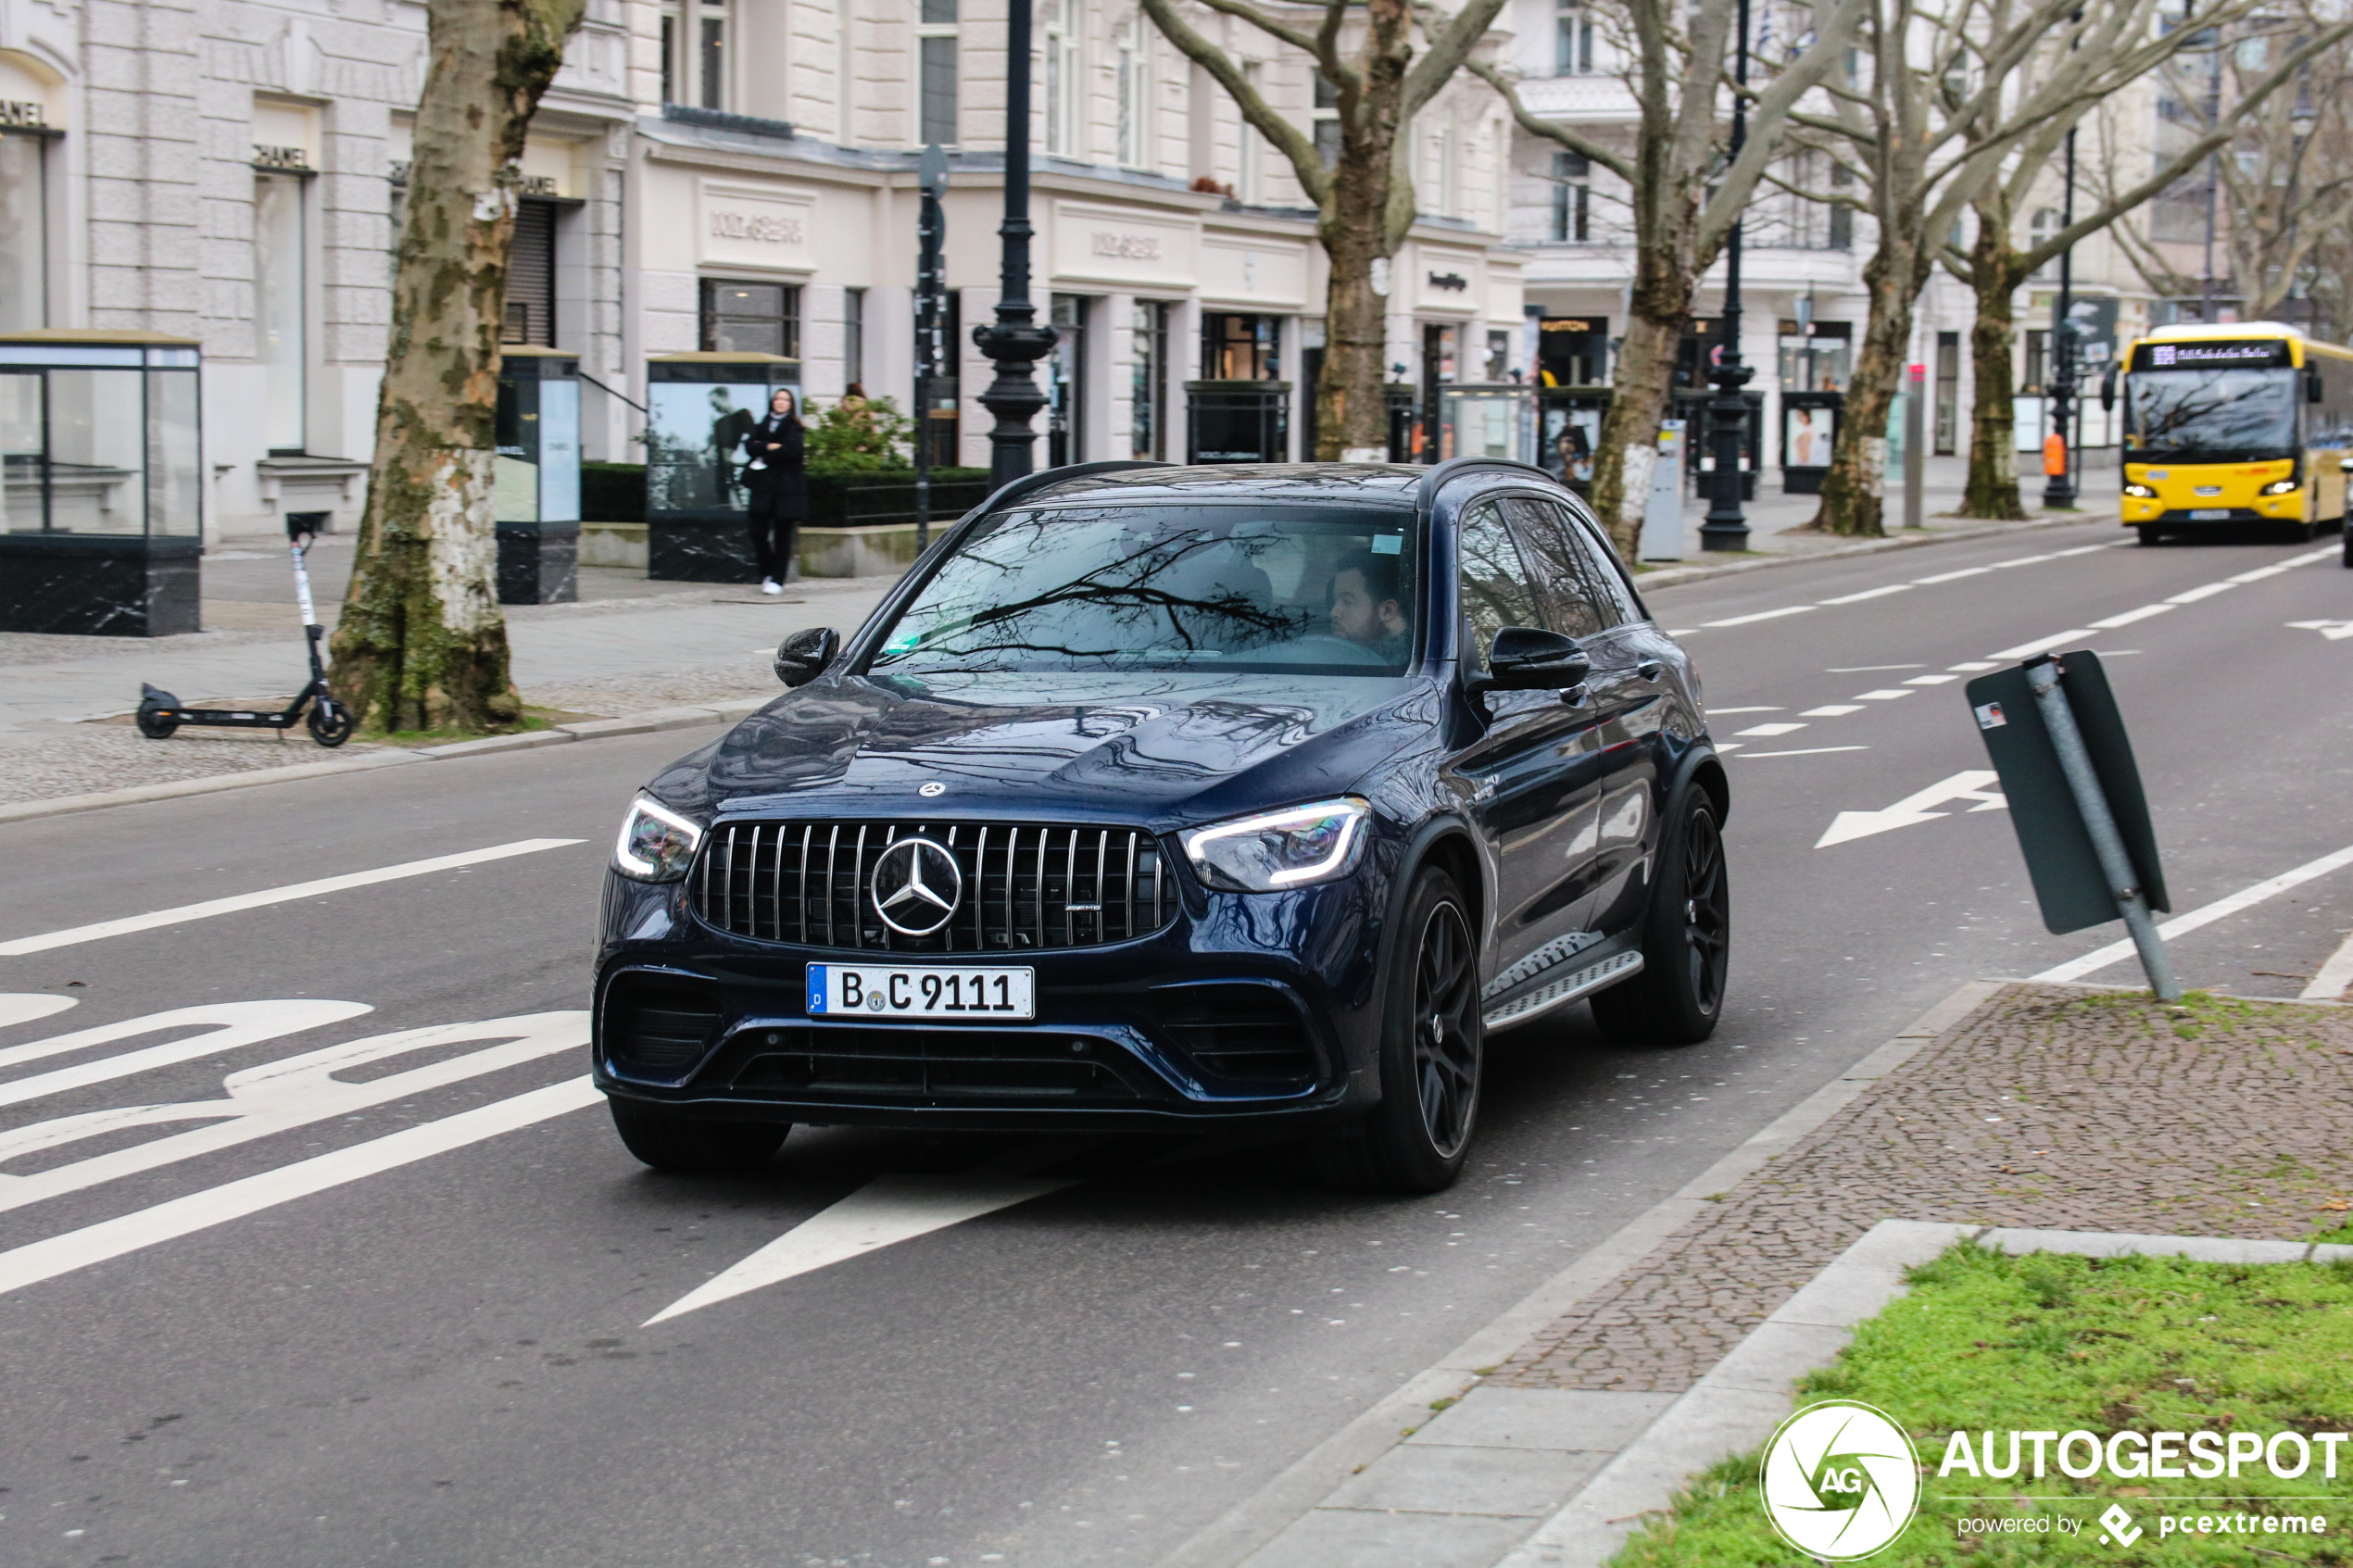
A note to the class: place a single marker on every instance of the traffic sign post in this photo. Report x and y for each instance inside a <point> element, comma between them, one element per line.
<point>2053,732</point>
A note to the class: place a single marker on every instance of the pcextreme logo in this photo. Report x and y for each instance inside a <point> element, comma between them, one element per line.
<point>1839,1480</point>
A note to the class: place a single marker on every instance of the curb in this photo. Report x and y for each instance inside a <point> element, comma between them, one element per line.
<point>1740,1402</point>
<point>1257,1521</point>
<point>647,722</point>
<point>1675,576</point>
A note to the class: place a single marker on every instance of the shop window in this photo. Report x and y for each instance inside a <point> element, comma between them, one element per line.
<point>24,234</point>
<point>1948,392</point>
<point>1147,434</point>
<point>750,318</point>
<point>1240,348</point>
<point>1066,383</point>
<point>935,45</point>
<point>2038,360</point>
<point>280,318</point>
<point>1499,355</point>
<point>1572,198</point>
<point>531,277</point>
<point>941,400</point>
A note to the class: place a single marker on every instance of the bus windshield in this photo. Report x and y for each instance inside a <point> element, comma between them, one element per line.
<point>2215,415</point>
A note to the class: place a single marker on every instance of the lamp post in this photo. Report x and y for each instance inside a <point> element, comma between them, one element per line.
<point>2300,126</point>
<point>1726,527</point>
<point>1015,341</point>
<point>2059,489</point>
<point>931,295</point>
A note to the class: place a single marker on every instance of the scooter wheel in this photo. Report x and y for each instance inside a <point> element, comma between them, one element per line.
<point>155,726</point>
<point>330,722</point>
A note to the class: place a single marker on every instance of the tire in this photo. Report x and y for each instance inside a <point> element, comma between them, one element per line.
<point>1686,939</point>
<point>2149,534</point>
<point>2302,533</point>
<point>153,726</point>
<point>692,1146</point>
<point>330,722</point>
<point>1432,1050</point>
<point>2348,549</point>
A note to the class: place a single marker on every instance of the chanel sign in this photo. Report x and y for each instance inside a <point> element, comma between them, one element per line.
<point>1134,247</point>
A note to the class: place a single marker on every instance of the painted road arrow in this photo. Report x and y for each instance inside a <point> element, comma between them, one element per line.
<point>1916,808</point>
<point>2335,631</point>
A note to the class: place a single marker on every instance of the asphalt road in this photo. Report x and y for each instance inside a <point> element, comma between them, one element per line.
<point>399,1316</point>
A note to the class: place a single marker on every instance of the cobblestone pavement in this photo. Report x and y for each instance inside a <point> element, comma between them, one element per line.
<point>2052,1106</point>
<point>86,759</point>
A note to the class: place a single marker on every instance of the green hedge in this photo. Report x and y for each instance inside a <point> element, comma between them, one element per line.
<point>616,493</point>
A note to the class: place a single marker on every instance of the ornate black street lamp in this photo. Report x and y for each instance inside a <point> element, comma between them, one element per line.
<point>2059,489</point>
<point>1726,527</point>
<point>1015,342</point>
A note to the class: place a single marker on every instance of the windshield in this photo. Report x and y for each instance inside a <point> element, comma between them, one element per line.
<point>2223,416</point>
<point>1241,588</point>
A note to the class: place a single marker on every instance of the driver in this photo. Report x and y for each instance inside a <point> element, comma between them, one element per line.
<point>1365,607</point>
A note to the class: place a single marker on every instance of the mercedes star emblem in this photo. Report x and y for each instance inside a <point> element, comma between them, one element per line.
<point>917,887</point>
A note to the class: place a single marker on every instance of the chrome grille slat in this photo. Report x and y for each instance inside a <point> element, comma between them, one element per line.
<point>808,883</point>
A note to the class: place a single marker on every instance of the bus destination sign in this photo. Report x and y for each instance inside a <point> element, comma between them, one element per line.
<point>2214,354</point>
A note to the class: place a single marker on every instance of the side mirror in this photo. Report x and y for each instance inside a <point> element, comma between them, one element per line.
<point>1522,658</point>
<point>2107,391</point>
<point>802,657</point>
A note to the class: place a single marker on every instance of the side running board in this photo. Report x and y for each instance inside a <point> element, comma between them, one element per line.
<point>1566,989</point>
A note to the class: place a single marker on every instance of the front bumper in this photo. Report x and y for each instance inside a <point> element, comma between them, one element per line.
<point>1255,1006</point>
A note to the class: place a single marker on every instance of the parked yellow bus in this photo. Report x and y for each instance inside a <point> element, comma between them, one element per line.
<point>2240,424</point>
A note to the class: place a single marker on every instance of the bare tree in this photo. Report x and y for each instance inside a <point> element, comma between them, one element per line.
<point>422,644</point>
<point>1683,200</point>
<point>1949,92</point>
<point>1365,199</point>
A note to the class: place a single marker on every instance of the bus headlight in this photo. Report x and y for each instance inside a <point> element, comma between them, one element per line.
<point>2280,487</point>
<point>2141,492</point>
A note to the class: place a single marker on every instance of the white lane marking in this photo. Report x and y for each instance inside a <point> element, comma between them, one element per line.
<point>884,1212</point>
<point>280,1095</point>
<point>35,1261</point>
<point>235,1024</point>
<point>2020,560</point>
<point>268,896</point>
<point>2335,631</point>
<point>1953,576</point>
<point>1833,711</point>
<point>1761,615</point>
<point>2041,645</point>
<point>1767,730</point>
<point>1809,751</point>
<point>2333,976</point>
<point>23,1007</point>
<point>1914,808</point>
<point>1884,694</point>
<point>2203,591</point>
<point>1971,666</point>
<point>1680,631</point>
<point>2246,899</point>
<point>1868,669</point>
<point>1871,593</point>
<point>1724,745</point>
<point>2083,550</point>
<point>2109,623</point>
<point>1719,712</point>
<point>1931,681</point>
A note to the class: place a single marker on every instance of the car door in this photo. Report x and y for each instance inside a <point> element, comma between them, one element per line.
<point>1519,769</point>
<point>1624,708</point>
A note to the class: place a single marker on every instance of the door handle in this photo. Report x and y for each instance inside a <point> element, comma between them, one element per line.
<point>1649,670</point>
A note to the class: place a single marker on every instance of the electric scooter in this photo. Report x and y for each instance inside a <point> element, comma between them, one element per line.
<point>330,722</point>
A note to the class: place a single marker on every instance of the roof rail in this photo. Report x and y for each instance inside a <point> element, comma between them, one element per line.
<point>1013,490</point>
<point>1426,492</point>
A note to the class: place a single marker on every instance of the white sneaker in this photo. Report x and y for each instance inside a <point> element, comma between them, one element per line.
<point>770,585</point>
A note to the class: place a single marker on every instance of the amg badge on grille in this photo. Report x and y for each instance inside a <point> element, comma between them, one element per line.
<point>916,885</point>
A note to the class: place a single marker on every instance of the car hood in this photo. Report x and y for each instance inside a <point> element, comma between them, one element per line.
<point>1158,748</point>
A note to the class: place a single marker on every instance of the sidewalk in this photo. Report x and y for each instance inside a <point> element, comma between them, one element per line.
<point>2046,1107</point>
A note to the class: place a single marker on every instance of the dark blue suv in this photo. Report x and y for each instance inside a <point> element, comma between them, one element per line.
<point>1164,797</point>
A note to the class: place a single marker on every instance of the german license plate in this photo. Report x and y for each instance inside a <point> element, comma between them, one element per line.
<point>840,990</point>
<point>2211,514</point>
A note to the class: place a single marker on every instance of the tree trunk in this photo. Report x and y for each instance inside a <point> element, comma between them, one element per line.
<point>1351,399</point>
<point>1853,490</point>
<point>1637,400</point>
<point>1993,439</point>
<point>422,644</point>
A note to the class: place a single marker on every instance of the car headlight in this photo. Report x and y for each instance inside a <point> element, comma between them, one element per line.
<point>2280,486</point>
<point>1275,851</point>
<point>2142,491</point>
<point>656,842</point>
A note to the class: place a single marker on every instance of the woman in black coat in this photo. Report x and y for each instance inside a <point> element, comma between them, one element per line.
<point>778,482</point>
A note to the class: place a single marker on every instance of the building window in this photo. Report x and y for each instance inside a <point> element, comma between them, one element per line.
<point>694,53</point>
<point>750,318</point>
<point>936,42</point>
<point>1327,122</point>
<point>853,336</point>
<point>710,54</point>
<point>1572,198</point>
<point>1253,144</point>
<point>1147,434</point>
<point>2038,360</point>
<point>278,318</point>
<point>669,46</point>
<point>1240,348</point>
<point>1573,39</point>
<point>1948,392</point>
<point>846,72</point>
<point>531,277</point>
<point>1064,72</point>
<point>942,398</point>
<point>1134,68</point>
<point>1441,171</point>
<point>24,236</point>
<point>1842,216</point>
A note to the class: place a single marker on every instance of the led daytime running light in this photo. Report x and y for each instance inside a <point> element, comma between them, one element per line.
<point>630,863</point>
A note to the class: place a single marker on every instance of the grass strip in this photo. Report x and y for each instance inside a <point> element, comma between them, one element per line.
<point>2049,1342</point>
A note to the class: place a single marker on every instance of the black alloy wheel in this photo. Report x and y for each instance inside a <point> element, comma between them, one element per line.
<point>693,1145</point>
<point>1433,1051</point>
<point>330,721</point>
<point>155,726</point>
<point>1686,939</point>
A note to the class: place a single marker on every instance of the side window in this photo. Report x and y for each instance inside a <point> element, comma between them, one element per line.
<point>1563,574</point>
<point>1495,592</point>
<point>1609,577</point>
